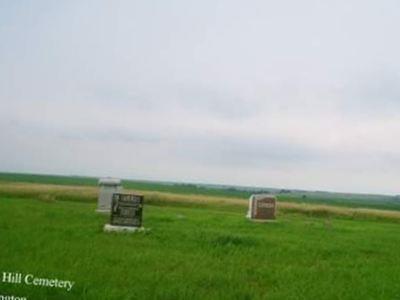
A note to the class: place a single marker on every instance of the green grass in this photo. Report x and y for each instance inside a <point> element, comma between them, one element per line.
<point>196,253</point>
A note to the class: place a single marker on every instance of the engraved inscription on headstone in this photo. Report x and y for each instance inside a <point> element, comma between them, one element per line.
<point>126,210</point>
<point>262,207</point>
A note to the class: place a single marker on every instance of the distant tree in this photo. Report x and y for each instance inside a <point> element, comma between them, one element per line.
<point>283,191</point>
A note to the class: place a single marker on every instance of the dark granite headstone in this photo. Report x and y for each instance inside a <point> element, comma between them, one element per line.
<point>126,210</point>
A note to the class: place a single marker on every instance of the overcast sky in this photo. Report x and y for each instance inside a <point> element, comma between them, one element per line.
<point>294,94</point>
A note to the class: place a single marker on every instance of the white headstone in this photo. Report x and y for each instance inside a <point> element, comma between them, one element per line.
<point>108,186</point>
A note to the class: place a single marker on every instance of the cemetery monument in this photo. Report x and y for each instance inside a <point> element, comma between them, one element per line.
<point>126,212</point>
<point>262,207</point>
<point>108,186</point>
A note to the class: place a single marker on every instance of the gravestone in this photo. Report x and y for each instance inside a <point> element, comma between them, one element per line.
<point>108,186</point>
<point>126,212</point>
<point>262,207</point>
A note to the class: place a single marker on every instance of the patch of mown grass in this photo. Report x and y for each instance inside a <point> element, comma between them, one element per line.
<point>233,240</point>
<point>196,253</point>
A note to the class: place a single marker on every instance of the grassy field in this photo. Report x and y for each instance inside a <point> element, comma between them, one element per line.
<point>197,247</point>
<point>177,188</point>
<point>354,201</point>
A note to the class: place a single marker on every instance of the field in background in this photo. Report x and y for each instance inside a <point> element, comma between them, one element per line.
<point>197,247</point>
<point>295,196</point>
<point>88,194</point>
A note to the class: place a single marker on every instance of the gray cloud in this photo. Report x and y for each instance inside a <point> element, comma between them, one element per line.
<point>223,92</point>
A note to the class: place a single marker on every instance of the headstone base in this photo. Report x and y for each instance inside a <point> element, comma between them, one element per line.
<point>262,220</point>
<point>114,228</point>
<point>103,211</point>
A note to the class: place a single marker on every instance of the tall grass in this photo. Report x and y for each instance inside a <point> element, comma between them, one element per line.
<point>354,201</point>
<point>52,192</point>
